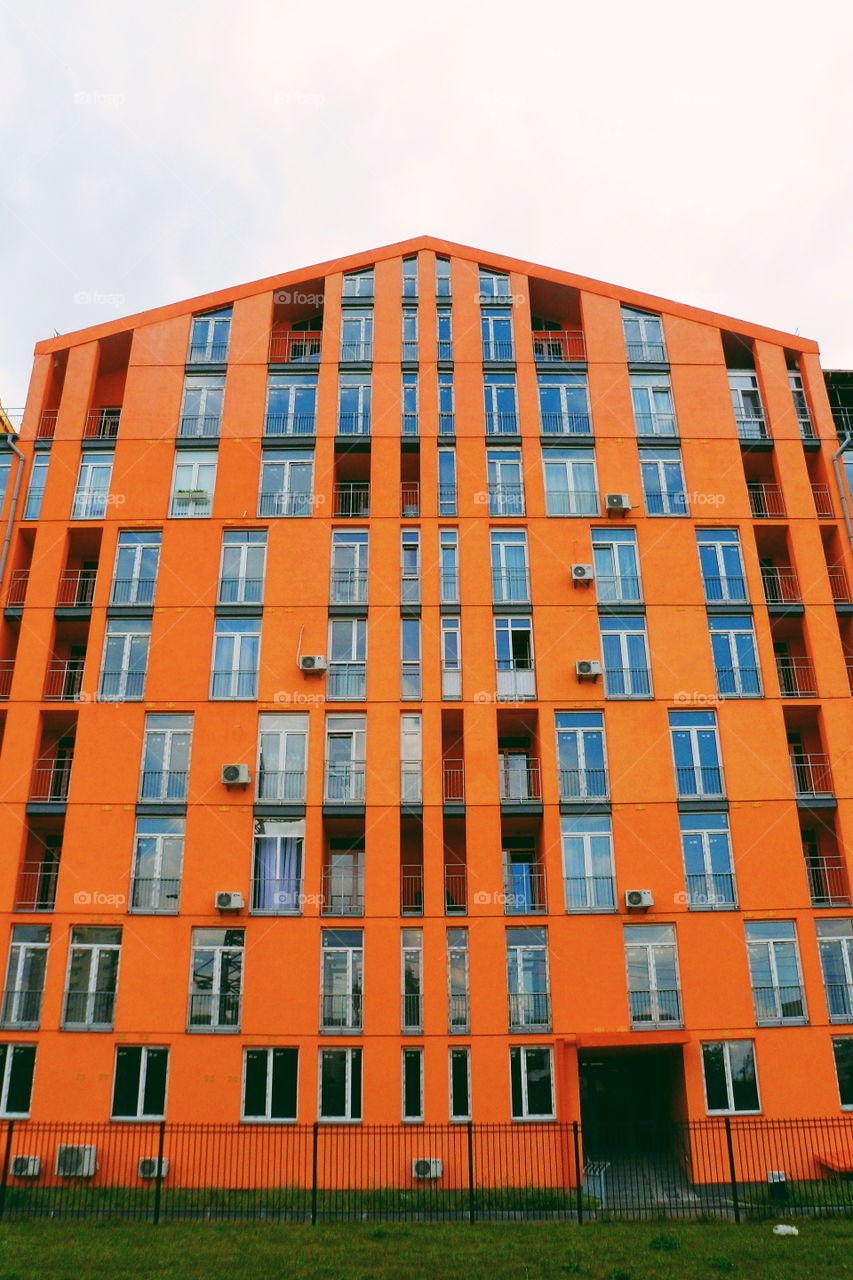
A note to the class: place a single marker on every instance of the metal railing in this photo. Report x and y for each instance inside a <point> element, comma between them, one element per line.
<point>36,887</point>
<point>525,891</point>
<point>655,424</point>
<point>214,1011</point>
<point>63,680</point>
<point>655,1008</point>
<point>782,1003</point>
<point>347,681</point>
<point>87,1009</point>
<point>458,1014</point>
<point>101,424</point>
<point>529,1011</point>
<point>590,893</point>
<point>828,882</point>
<point>343,892</point>
<point>501,424</point>
<point>46,428</point>
<point>498,350</point>
<point>154,895</point>
<point>765,501</point>
<point>806,426</point>
<point>352,499</point>
<point>839,586</point>
<point>411,1014</point>
<point>189,503</point>
<point>559,346</point>
<point>822,495</point>
<point>195,426</point>
<point>727,589</point>
<point>446,424</point>
<point>751,426</point>
<point>699,781</point>
<point>646,352</point>
<point>571,502</point>
<point>133,591</point>
<point>276,895</point>
<point>291,348</point>
<point>7,669</point>
<point>796,678</point>
<point>781,585</point>
<point>348,586</point>
<point>121,685</point>
<point>627,682</point>
<point>739,682</point>
<point>50,779</point>
<point>163,784</point>
<point>714,890</point>
<point>455,889</point>
<point>17,589</point>
<point>411,782</point>
<point>356,352</point>
<point>519,779</point>
<point>285,504</point>
<point>345,782</point>
<point>506,499</point>
<point>453,781</point>
<point>839,1001</point>
<point>565,424</point>
<point>510,586</point>
<point>812,774</point>
<point>240,590</point>
<point>90,504</point>
<point>281,786</point>
<point>340,1012</point>
<point>666,503</point>
<point>410,498</point>
<point>208,352</point>
<point>447,495</point>
<point>409,424</point>
<point>621,588</point>
<point>583,784</point>
<point>76,588</point>
<point>239,685</point>
<point>353,424</point>
<point>411,890</point>
<point>21,1007</point>
<point>289,424</point>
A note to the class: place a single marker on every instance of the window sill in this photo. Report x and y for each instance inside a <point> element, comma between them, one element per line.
<point>137,1119</point>
<point>733,1113</point>
<point>268,1120</point>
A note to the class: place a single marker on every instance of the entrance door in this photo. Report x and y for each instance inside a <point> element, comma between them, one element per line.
<point>630,1099</point>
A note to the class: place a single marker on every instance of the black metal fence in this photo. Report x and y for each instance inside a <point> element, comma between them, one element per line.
<point>723,1168</point>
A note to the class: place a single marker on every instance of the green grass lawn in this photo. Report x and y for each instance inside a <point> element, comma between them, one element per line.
<point>521,1251</point>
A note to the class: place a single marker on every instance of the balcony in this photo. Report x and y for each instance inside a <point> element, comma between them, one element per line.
<point>411,890</point>
<point>159,786</point>
<point>36,887</point>
<point>501,424</point>
<point>779,1004</point>
<point>699,782</point>
<point>348,586</point>
<point>822,496</point>
<point>7,668</point>
<point>453,781</point>
<point>410,499</point>
<point>345,782</point>
<point>353,424</point>
<point>655,424</point>
<point>277,895</point>
<point>520,780</point>
<point>295,348</point>
<point>63,681</point>
<point>76,589</point>
<point>154,896</point>
<point>812,776</point>
<point>496,351</point>
<point>199,426</point>
<point>571,502</point>
<point>357,352</point>
<point>281,786</point>
<point>827,876</point>
<point>529,1011</point>
<point>340,1012</point>
<point>346,681</point>
<point>565,424</point>
<point>50,779</point>
<point>343,892</point>
<point>796,677</point>
<point>458,1015</point>
<point>584,784</point>
<point>411,1014</point>
<point>839,585</point>
<point>510,586</point>
<point>781,587</point>
<point>590,893</point>
<point>751,427</point>
<point>506,500</point>
<point>524,889</point>
<point>285,504</point>
<point>352,500</point>
<point>46,428</point>
<point>715,891</point>
<point>559,346</point>
<point>17,588</point>
<point>766,501</point>
<point>21,1008</point>
<point>455,889</point>
<point>660,1008</point>
<point>88,1010</point>
<point>101,424</point>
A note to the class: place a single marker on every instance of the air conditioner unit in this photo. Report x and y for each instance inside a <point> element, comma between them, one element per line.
<point>76,1162</point>
<point>148,1167</point>
<point>587,669</point>
<point>236,775</point>
<point>427,1168</point>
<point>312,662</point>
<point>617,502</point>
<point>639,899</point>
<point>582,573</point>
<point>227,901</point>
<point>25,1166</point>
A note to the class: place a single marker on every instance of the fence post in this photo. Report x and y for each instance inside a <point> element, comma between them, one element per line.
<point>732,1172</point>
<point>158,1181</point>
<point>578,1179</point>
<point>7,1154</point>
<point>472,1208</point>
<point>315,1136</point>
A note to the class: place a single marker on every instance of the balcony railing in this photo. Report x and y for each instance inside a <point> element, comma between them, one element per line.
<point>158,785</point>
<point>281,786</point>
<point>284,504</point>
<point>411,890</point>
<point>715,890</point>
<point>455,889</point>
<point>214,1011</point>
<point>90,504</point>
<point>812,775</point>
<point>289,424</point>
<point>133,591</point>
<point>571,502</point>
<point>529,1011</point>
<point>739,682</point>
<point>671,502</point>
<point>779,1004</point>
<point>506,499</point>
<point>235,684</point>
<point>46,428</point>
<point>728,589</point>
<point>453,781</point>
<point>411,1014</point>
<point>352,499</point>
<point>501,424</point>
<point>208,352</point>
<point>839,999</point>
<point>621,588</point>
<point>765,501</point>
<point>796,678</point>
<point>655,1008</point>
<point>510,586</point>
<point>340,1013</point>
<point>525,890</point>
<point>806,426</point>
<point>197,426</point>
<point>496,350</point>
<point>828,882</point>
<point>240,590</point>
<point>411,782</point>
<point>559,346</point>
<point>343,892</point>
<point>655,424</point>
<point>447,499</point>
<point>839,585</point>
<point>410,498</point>
<point>17,588</point>
<point>118,684</point>
<point>355,352</point>
<point>409,424</point>
<point>516,681</point>
<point>50,779</point>
<point>345,782</point>
<point>751,426</point>
<point>590,893</point>
<point>101,424</point>
<point>699,781</point>
<point>64,680</point>
<point>446,424</point>
<point>781,585</point>
<point>520,780</point>
<point>348,586</point>
<point>347,681</point>
<point>293,348</point>
<point>36,887</point>
<point>7,668</point>
<point>154,896</point>
<point>21,1007</point>
<point>822,496</point>
<point>565,424</point>
<point>89,1009</point>
<point>76,588</point>
<point>584,784</point>
<point>458,1014</point>
<point>627,682</point>
<point>277,895</point>
<point>353,424</point>
<point>646,352</point>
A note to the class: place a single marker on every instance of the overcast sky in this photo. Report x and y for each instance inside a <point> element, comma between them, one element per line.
<point>162,149</point>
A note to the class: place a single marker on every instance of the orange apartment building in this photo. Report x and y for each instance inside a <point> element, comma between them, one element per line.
<point>426,696</point>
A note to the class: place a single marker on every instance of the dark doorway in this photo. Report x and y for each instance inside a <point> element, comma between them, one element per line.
<point>630,1099</point>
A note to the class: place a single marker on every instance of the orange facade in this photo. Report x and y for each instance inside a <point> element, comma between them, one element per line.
<point>377,460</point>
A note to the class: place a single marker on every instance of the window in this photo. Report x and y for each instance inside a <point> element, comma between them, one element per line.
<point>90,992</point>
<point>345,758</point>
<point>291,404</point>
<point>835,944</point>
<point>731,1084</point>
<point>506,483</point>
<point>643,337</point>
<point>410,659</point>
<point>242,567</point>
<point>139,1085</point>
<point>343,878</point>
<point>341,980</point>
<point>801,406</point>
<point>654,990</point>
<point>410,338</point>
<point>580,755</point>
<point>459,1063</point>
<point>358,284</point>
<point>201,411</point>
<point>442,277</point>
<point>25,974</point>
<point>654,412</point>
<point>349,567</point>
<point>277,867</point>
<point>493,285</point>
<point>5,468</point>
<point>563,404</point>
<point>410,566</point>
<point>209,338</point>
<point>93,487</point>
<point>137,561</point>
<point>35,488</point>
<point>458,982</point>
<point>236,656</point>
<point>340,1084</point>
<point>735,657</point>
<point>707,853</point>
<point>626,657</point>
<point>270,1084</point>
<point>446,482</point>
<point>166,757</point>
<point>500,402</point>
<point>451,658</point>
<point>125,662</point>
<point>347,678</point>
<point>216,979</point>
<point>409,402</point>
<point>17,1066</point>
<point>531,1083</point>
<point>356,335</point>
<point>353,405</point>
<point>617,566</point>
<point>588,863</point>
<point>696,754</point>
<point>411,759</point>
<point>514,658</point>
<point>410,277</point>
<point>527,979</point>
<point>746,402</point>
<point>286,484</point>
<point>510,582</point>
<point>570,483</point>
<point>663,482</point>
<point>496,332</point>
<point>412,977</point>
<point>413,1084</point>
<point>774,970</point>
<point>282,754</point>
<point>448,565</point>
<point>193,484</point>
<point>444,324</point>
<point>721,564</point>
<point>445,404</point>
<point>842,1050</point>
<point>157,860</point>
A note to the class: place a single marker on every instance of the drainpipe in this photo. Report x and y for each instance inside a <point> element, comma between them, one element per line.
<point>13,505</point>
<point>839,480</point>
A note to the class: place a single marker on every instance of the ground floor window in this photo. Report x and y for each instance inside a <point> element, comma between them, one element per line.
<point>340,1084</point>
<point>460,1084</point>
<point>532,1084</point>
<point>843,1050</point>
<point>139,1087</point>
<point>413,1084</point>
<point>17,1064</point>
<point>269,1084</point>
<point>731,1083</point>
